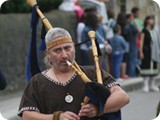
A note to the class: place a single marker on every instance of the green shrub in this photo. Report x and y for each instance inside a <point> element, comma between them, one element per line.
<point>20,6</point>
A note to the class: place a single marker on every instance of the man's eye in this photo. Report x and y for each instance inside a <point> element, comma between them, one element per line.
<point>57,50</point>
<point>67,48</point>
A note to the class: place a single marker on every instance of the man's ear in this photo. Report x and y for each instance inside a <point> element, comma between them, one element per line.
<point>47,53</point>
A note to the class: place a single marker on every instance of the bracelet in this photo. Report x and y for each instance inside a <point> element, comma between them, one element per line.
<point>99,113</point>
<point>56,115</point>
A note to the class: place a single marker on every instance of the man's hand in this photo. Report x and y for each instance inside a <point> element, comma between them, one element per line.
<point>68,116</point>
<point>88,110</point>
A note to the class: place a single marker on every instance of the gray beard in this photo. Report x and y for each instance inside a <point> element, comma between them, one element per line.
<point>67,68</point>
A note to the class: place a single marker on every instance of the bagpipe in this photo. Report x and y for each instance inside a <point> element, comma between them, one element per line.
<point>96,93</point>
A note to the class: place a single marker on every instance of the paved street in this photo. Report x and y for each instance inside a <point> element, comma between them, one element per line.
<point>9,105</point>
<point>142,106</point>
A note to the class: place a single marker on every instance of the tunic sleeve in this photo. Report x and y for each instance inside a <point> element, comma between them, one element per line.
<point>29,100</point>
<point>108,80</point>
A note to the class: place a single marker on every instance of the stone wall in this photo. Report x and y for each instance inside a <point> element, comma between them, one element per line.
<point>14,42</point>
<point>146,6</point>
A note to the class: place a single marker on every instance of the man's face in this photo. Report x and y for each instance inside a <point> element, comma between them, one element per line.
<point>137,14</point>
<point>59,54</point>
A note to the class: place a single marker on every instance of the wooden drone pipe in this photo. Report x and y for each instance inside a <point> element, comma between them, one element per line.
<point>84,77</point>
<point>95,55</point>
<point>79,72</point>
<point>43,18</point>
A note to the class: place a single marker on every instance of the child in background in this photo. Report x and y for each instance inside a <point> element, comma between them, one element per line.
<point>119,46</point>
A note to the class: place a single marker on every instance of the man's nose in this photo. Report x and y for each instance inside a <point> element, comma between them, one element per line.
<point>64,54</point>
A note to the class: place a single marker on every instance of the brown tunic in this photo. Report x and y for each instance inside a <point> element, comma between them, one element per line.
<point>44,95</point>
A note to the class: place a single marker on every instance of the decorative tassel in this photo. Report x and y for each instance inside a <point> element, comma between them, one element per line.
<point>32,66</point>
<point>43,33</point>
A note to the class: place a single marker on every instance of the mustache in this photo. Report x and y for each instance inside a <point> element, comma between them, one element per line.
<point>71,60</point>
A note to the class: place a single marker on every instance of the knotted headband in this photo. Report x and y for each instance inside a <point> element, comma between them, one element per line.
<point>58,41</point>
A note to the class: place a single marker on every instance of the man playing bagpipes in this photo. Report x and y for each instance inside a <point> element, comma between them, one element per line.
<point>58,92</point>
<point>63,93</point>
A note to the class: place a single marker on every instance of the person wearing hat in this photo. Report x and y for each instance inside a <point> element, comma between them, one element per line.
<point>58,92</point>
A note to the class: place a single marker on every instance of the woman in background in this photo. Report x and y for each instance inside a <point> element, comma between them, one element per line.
<point>149,67</point>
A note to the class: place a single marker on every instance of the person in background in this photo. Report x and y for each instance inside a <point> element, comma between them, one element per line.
<point>148,44</point>
<point>3,82</point>
<point>101,8</point>
<point>91,23</point>
<point>119,47</point>
<point>111,19</point>
<point>121,20</point>
<point>136,19</point>
<point>130,33</point>
<point>58,92</point>
<point>111,24</point>
<point>83,46</point>
<point>137,22</point>
<point>106,49</point>
<point>156,43</point>
<point>72,5</point>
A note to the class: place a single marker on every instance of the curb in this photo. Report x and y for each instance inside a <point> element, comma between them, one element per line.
<point>132,84</point>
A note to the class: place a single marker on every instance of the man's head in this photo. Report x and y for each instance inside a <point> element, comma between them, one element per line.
<point>56,36</point>
<point>135,11</point>
<point>60,48</point>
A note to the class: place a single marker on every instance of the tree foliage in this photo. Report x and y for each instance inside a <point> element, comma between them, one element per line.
<point>20,6</point>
